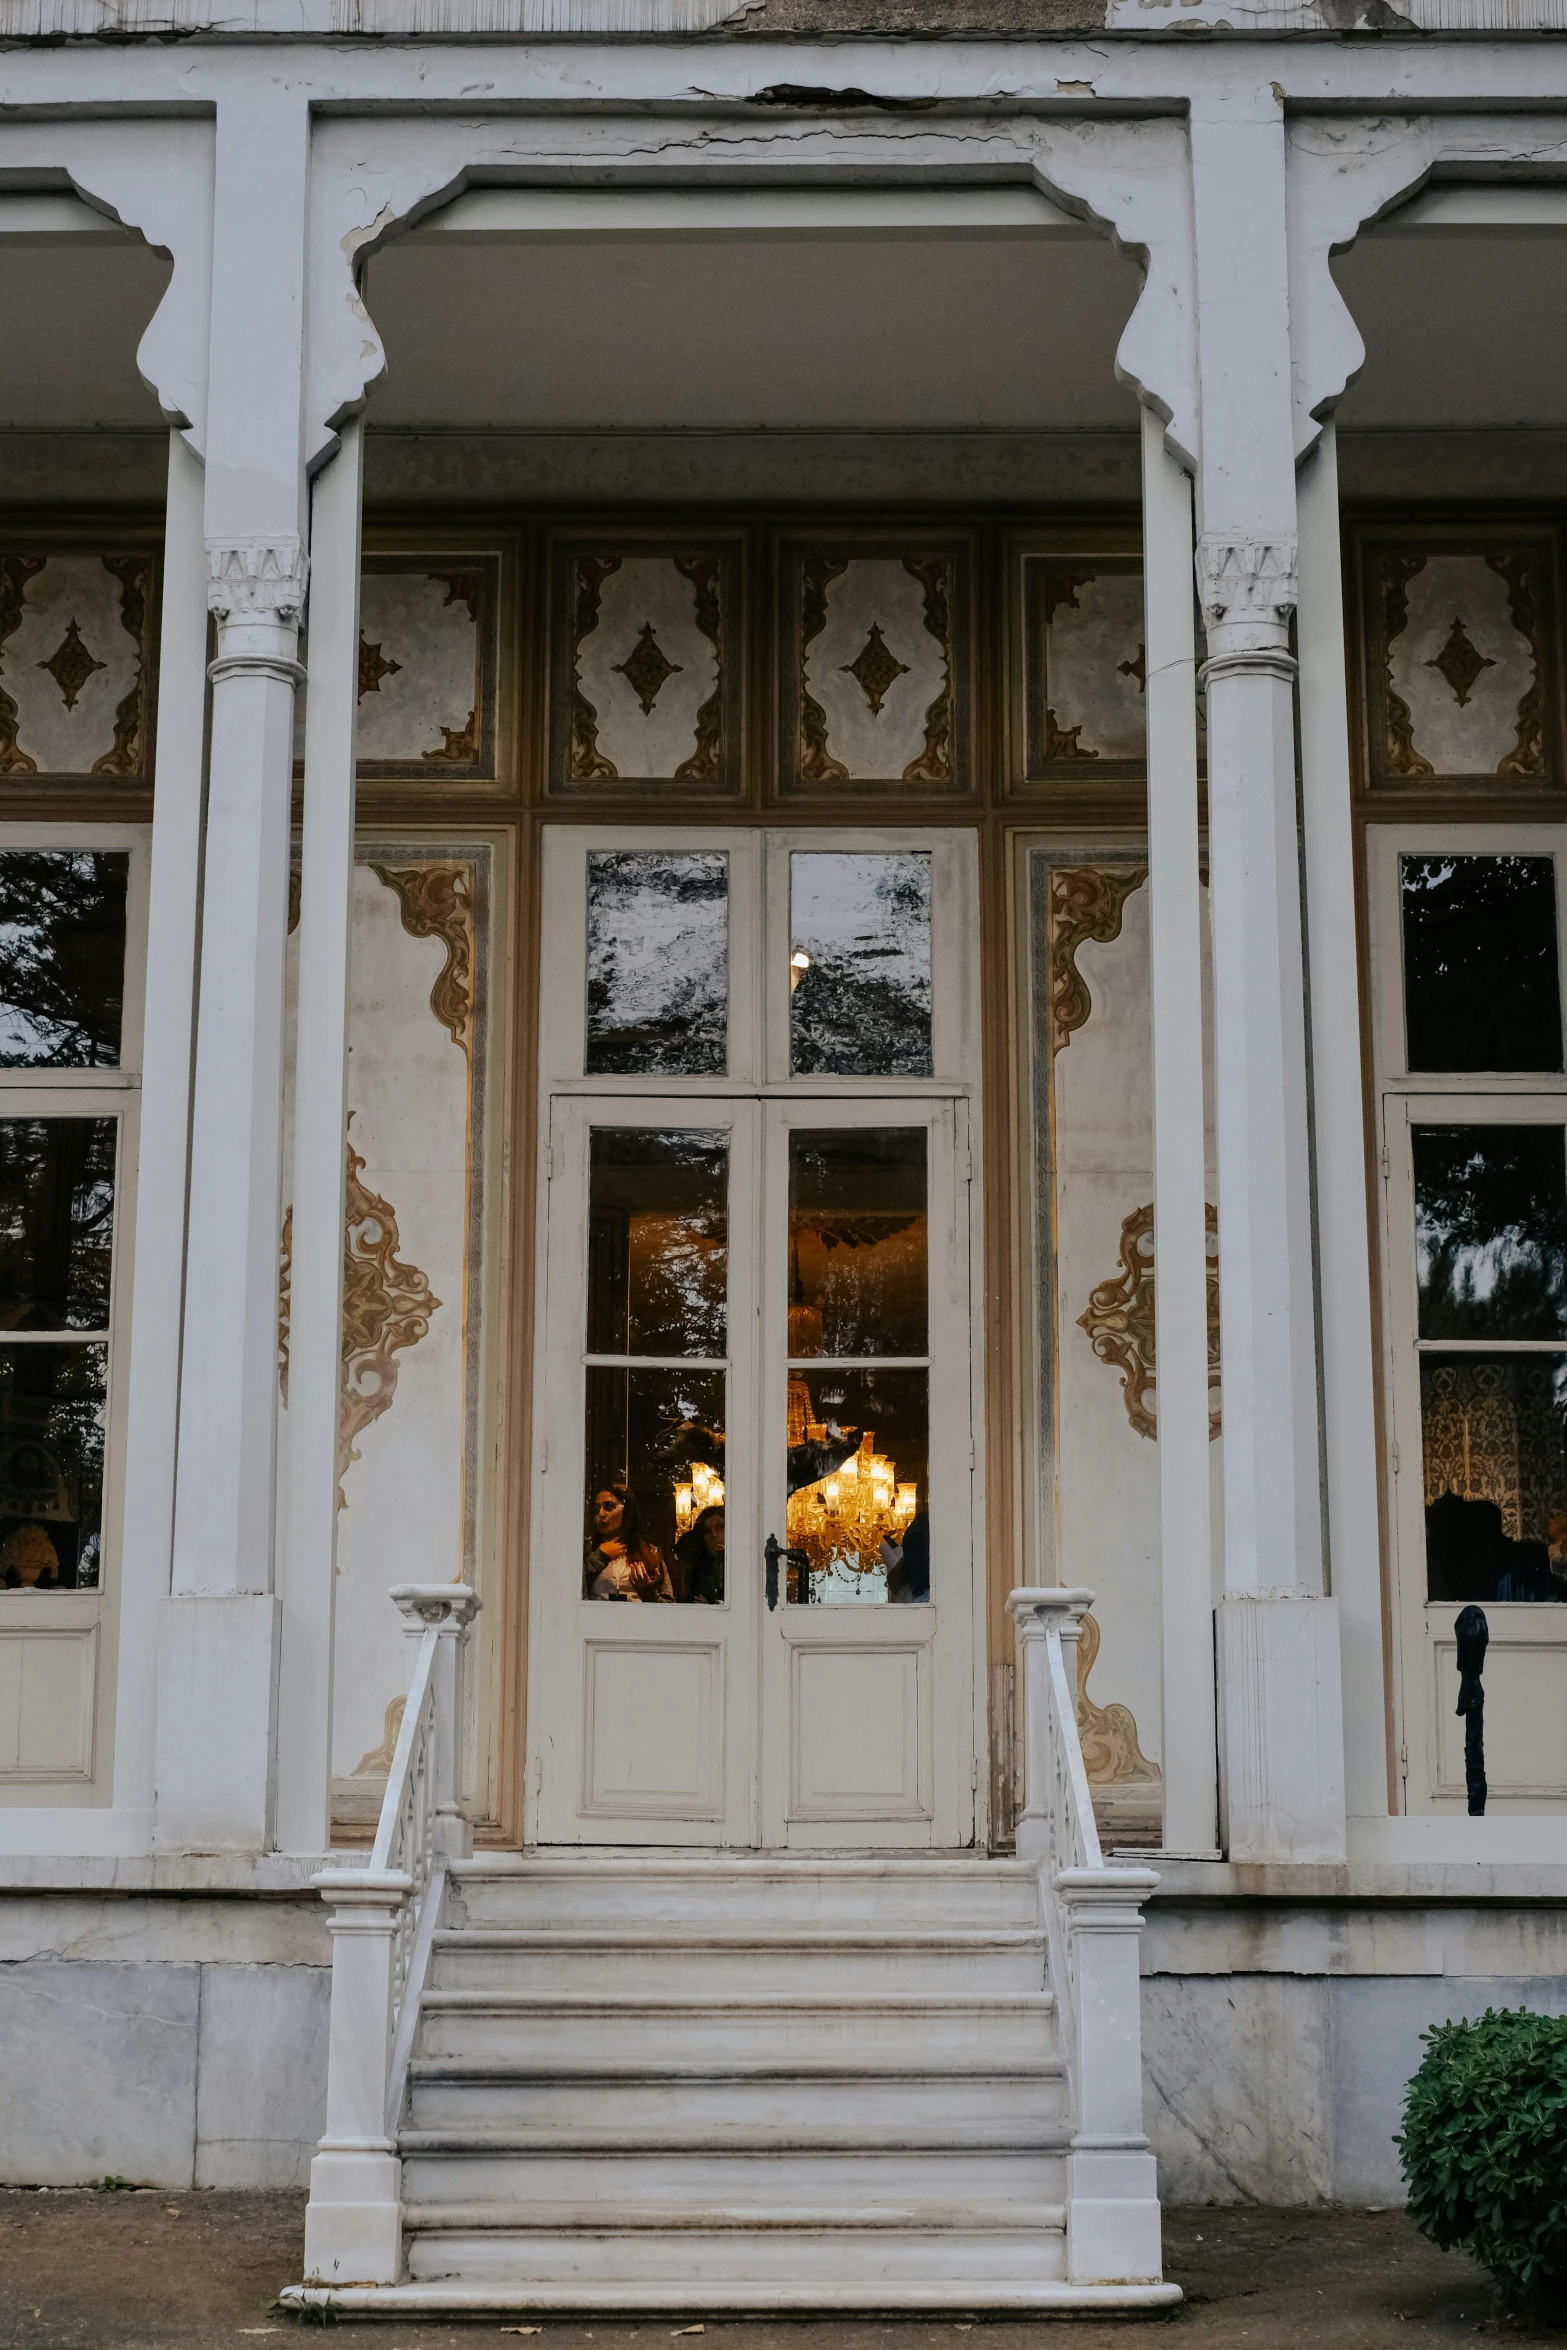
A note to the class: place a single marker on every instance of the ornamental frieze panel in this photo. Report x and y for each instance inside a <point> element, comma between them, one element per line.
<point>875,688</point>
<point>646,655</point>
<point>1460,668</point>
<point>77,639</point>
<point>1080,694</point>
<point>428,643</point>
<point>1086,902</point>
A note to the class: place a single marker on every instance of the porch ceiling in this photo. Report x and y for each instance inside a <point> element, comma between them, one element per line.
<point>1464,328</point>
<point>74,308</point>
<point>986,326</point>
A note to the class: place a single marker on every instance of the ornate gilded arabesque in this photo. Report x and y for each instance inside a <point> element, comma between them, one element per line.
<point>647,668</point>
<point>437,902</point>
<point>1120,1320</point>
<point>387,1307</point>
<point>875,669</point>
<point>1108,1733</point>
<point>15,572</point>
<point>373,666</point>
<point>1461,665</point>
<point>71,664</point>
<point>378,1761</point>
<point>1086,902</point>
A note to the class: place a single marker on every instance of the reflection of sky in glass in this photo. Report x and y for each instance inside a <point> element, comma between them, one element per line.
<point>862,1005</point>
<point>56,1222</point>
<point>1482,984</point>
<point>658,963</point>
<point>1491,1231</point>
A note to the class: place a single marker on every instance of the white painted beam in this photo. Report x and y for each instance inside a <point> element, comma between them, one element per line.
<point>1339,1132</point>
<point>315,1350</point>
<point>1190,1757</point>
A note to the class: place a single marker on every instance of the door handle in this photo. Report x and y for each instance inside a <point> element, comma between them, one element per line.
<point>773,1552</point>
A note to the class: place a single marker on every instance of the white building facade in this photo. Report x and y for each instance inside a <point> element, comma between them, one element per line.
<point>708,718</point>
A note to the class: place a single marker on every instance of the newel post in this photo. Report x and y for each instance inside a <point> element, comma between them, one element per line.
<point>1113,2231</point>
<point>1034,1611</point>
<point>353,2225</point>
<point>447,1609</point>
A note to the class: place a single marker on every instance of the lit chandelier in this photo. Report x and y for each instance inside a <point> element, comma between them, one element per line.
<point>705,1492</point>
<point>842,1520</point>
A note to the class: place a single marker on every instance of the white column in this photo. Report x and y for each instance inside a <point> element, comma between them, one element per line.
<point>1281,1734</point>
<point>152,1388</point>
<point>1190,1758</point>
<point>218,1634</point>
<point>1338,1118</point>
<point>315,1338</point>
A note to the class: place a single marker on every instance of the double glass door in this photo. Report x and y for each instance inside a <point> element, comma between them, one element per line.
<point>753,1548</point>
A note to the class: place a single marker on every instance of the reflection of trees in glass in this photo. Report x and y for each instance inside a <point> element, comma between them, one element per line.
<point>1491,1231</point>
<point>62,957</point>
<point>56,1222</point>
<point>51,1464</point>
<point>861,1006</point>
<point>1482,986</point>
<point>658,963</point>
<point>657,1241</point>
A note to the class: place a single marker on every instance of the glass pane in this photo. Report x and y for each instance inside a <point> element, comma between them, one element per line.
<point>1491,1231</point>
<point>658,1233</point>
<point>658,963</point>
<point>56,1222</point>
<point>62,957</point>
<point>51,1466</point>
<point>857,1241</point>
<point>859,964</point>
<point>1482,988</point>
<point>859,1500</point>
<point>655,1486</point>
<point>1495,1476</point>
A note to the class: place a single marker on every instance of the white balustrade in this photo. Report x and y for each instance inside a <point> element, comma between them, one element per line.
<point>1093,1917</point>
<point>383,1924</point>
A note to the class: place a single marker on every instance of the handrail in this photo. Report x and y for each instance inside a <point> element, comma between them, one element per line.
<point>383,1925</point>
<point>1093,1918</point>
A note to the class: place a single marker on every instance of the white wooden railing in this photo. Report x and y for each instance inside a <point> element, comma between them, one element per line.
<point>383,1923</point>
<point>1093,1919</point>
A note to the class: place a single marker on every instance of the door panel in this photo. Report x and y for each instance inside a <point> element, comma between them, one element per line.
<point>643,1671</point>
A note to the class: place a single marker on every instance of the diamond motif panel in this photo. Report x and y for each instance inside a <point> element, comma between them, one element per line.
<point>1079,700</point>
<point>875,688</point>
<point>77,636</point>
<point>645,691</point>
<point>1459,661</point>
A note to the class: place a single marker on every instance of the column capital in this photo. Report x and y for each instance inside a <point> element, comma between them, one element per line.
<point>1034,1607</point>
<point>256,590</point>
<point>1248,590</point>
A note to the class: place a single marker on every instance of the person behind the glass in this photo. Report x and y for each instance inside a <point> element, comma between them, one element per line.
<point>699,1558</point>
<point>621,1562</point>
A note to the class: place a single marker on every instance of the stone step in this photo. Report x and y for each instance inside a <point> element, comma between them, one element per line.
<point>450,2167</point>
<point>705,1966</point>
<point>856,2249</point>
<point>579,1891</point>
<point>779,2028</point>
<point>755,2103</point>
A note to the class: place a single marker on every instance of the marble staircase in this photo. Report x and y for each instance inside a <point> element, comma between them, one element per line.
<point>736,2082</point>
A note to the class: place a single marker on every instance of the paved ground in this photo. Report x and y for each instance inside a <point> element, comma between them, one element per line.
<point>145,2269</point>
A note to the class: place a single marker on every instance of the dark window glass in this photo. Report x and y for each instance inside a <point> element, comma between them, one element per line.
<point>658,1250</point>
<point>655,1486</point>
<point>658,963</point>
<point>56,1222</point>
<point>51,1466</point>
<point>62,957</point>
<point>1495,1476</point>
<point>1491,1231</point>
<point>859,964</point>
<point>857,1241</point>
<point>1482,986</point>
<point>859,1490</point>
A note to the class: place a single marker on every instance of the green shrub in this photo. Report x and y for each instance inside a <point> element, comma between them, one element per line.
<point>1484,2149</point>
